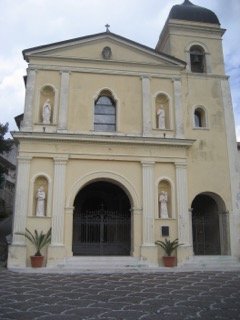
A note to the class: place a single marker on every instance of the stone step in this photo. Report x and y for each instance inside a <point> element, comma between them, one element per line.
<point>101,262</point>
<point>211,262</point>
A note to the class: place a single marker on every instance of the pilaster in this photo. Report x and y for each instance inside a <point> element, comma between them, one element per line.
<point>182,204</point>
<point>21,199</point>
<point>63,107</point>
<point>17,250</point>
<point>148,202</point>
<point>28,108</point>
<point>234,170</point>
<point>146,106</point>
<point>179,123</point>
<point>58,201</point>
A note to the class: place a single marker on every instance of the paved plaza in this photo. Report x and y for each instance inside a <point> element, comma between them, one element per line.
<point>145,296</point>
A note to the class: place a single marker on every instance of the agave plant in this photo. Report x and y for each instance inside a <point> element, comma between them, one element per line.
<point>168,245</point>
<point>39,240</point>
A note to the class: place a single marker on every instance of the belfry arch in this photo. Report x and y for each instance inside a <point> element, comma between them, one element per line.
<point>210,225</point>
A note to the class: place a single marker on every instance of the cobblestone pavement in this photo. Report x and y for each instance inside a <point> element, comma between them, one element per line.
<point>145,296</point>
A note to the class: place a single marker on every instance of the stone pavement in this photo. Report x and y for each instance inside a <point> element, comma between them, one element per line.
<point>119,296</point>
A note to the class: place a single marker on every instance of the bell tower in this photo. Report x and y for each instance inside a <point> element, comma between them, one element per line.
<point>193,34</point>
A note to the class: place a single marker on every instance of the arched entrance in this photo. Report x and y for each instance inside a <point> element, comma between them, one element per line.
<point>101,220</point>
<point>209,225</point>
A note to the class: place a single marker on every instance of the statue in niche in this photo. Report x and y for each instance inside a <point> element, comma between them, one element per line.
<point>40,207</point>
<point>163,200</point>
<point>161,118</point>
<point>46,112</point>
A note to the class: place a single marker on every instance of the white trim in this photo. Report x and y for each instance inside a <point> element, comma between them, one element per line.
<point>107,176</point>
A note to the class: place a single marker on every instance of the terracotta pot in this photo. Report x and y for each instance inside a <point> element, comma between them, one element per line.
<point>37,261</point>
<point>169,261</point>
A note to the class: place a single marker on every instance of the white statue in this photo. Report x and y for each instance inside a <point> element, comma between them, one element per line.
<point>163,200</point>
<point>161,118</point>
<point>46,112</point>
<point>40,208</point>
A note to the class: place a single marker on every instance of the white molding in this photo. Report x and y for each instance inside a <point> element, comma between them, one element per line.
<point>110,176</point>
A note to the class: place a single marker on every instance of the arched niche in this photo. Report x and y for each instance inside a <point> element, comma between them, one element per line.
<point>46,104</point>
<point>162,112</point>
<point>164,199</point>
<point>40,196</point>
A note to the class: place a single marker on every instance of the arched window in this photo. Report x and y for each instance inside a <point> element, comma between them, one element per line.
<point>200,118</point>
<point>197,59</point>
<point>105,112</point>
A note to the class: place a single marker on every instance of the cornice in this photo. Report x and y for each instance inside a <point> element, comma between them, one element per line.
<point>138,73</point>
<point>101,139</point>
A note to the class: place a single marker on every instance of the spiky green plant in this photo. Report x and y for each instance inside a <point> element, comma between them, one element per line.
<point>168,245</point>
<point>39,240</point>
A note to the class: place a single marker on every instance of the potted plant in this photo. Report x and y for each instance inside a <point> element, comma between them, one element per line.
<point>39,240</point>
<point>169,246</point>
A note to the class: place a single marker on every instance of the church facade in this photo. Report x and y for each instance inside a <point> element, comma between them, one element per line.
<point>122,145</point>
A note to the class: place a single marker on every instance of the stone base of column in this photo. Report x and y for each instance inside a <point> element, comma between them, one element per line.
<point>17,256</point>
<point>234,221</point>
<point>184,252</point>
<point>55,255</point>
<point>149,253</point>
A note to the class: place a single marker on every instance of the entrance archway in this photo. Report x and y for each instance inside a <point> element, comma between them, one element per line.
<point>209,225</point>
<point>101,220</point>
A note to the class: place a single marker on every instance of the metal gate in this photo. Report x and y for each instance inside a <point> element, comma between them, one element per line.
<point>102,232</point>
<point>206,235</point>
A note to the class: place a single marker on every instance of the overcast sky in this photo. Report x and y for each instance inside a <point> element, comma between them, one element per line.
<point>28,23</point>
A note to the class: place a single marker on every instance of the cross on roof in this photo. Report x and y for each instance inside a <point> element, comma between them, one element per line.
<point>107,27</point>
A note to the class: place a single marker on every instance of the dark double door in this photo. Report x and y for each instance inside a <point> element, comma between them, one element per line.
<point>205,226</point>
<point>101,232</point>
<point>102,221</point>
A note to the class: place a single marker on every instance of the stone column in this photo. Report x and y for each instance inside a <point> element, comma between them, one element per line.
<point>21,198</point>
<point>17,250</point>
<point>184,231</point>
<point>58,201</point>
<point>57,250</point>
<point>179,120</point>
<point>234,169</point>
<point>63,106</point>
<point>148,202</point>
<point>224,232</point>
<point>136,236</point>
<point>28,108</point>
<point>69,229</point>
<point>146,106</point>
<point>148,249</point>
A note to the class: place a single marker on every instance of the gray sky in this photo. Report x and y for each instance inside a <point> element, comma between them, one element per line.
<point>28,23</point>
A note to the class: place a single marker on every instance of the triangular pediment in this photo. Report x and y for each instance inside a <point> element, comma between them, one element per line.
<point>104,46</point>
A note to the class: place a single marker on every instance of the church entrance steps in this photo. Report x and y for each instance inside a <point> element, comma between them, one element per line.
<point>101,263</point>
<point>214,263</point>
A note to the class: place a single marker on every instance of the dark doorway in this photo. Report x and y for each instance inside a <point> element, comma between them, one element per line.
<point>101,221</point>
<point>205,226</point>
